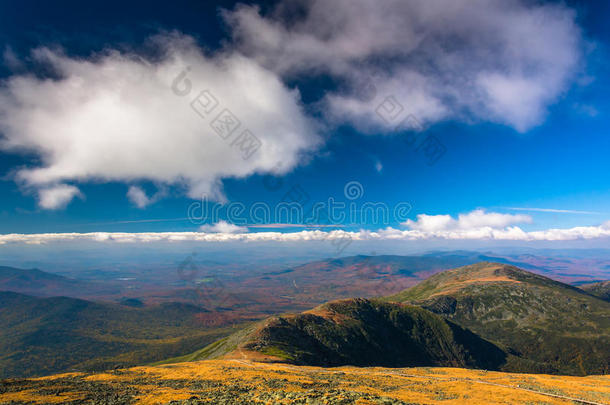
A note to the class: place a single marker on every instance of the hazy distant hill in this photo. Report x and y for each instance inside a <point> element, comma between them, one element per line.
<point>35,281</point>
<point>40,283</point>
<point>320,281</point>
<point>549,326</point>
<point>354,276</point>
<point>43,335</point>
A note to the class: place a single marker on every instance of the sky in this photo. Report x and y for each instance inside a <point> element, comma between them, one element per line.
<point>293,121</point>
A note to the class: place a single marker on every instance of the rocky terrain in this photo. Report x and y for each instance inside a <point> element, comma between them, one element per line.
<point>600,289</point>
<point>245,382</point>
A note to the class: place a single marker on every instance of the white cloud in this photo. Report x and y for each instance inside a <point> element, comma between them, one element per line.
<point>114,117</point>
<point>223,227</point>
<point>587,110</point>
<point>138,197</point>
<point>57,196</point>
<point>474,220</point>
<point>336,236</point>
<point>504,61</point>
<point>378,166</point>
<point>430,223</point>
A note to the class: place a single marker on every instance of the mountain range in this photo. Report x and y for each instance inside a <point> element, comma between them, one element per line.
<point>488,315</point>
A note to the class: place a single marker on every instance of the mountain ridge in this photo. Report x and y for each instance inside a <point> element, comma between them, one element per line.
<point>549,326</point>
<point>519,314</point>
<point>359,332</point>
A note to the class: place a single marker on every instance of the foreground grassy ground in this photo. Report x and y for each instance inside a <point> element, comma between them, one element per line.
<point>239,381</point>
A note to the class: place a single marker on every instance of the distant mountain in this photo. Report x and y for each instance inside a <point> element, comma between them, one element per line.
<point>548,326</point>
<point>354,276</point>
<point>39,336</point>
<point>321,281</point>
<point>360,332</point>
<point>600,290</point>
<point>39,283</point>
<point>13,279</point>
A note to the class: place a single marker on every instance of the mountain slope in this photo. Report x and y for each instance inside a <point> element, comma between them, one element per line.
<point>44,335</point>
<point>244,382</point>
<point>363,333</point>
<point>600,290</point>
<point>548,326</point>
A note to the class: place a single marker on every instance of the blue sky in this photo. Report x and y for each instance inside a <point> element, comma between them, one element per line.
<point>503,155</point>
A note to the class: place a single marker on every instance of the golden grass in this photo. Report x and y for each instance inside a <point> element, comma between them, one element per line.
<point>32,396</point>
<point>456,286</point>
<point>414,385</point>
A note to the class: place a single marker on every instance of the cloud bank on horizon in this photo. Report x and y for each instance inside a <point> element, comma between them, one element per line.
<point>114,117</point>
<point>475,225</point>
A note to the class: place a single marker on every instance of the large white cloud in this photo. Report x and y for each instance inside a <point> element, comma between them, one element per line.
<point>498,60</point>
<point>114,117</point>
<point>117,117</point>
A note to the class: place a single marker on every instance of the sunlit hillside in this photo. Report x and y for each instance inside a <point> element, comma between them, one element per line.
<point>239,381</point>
